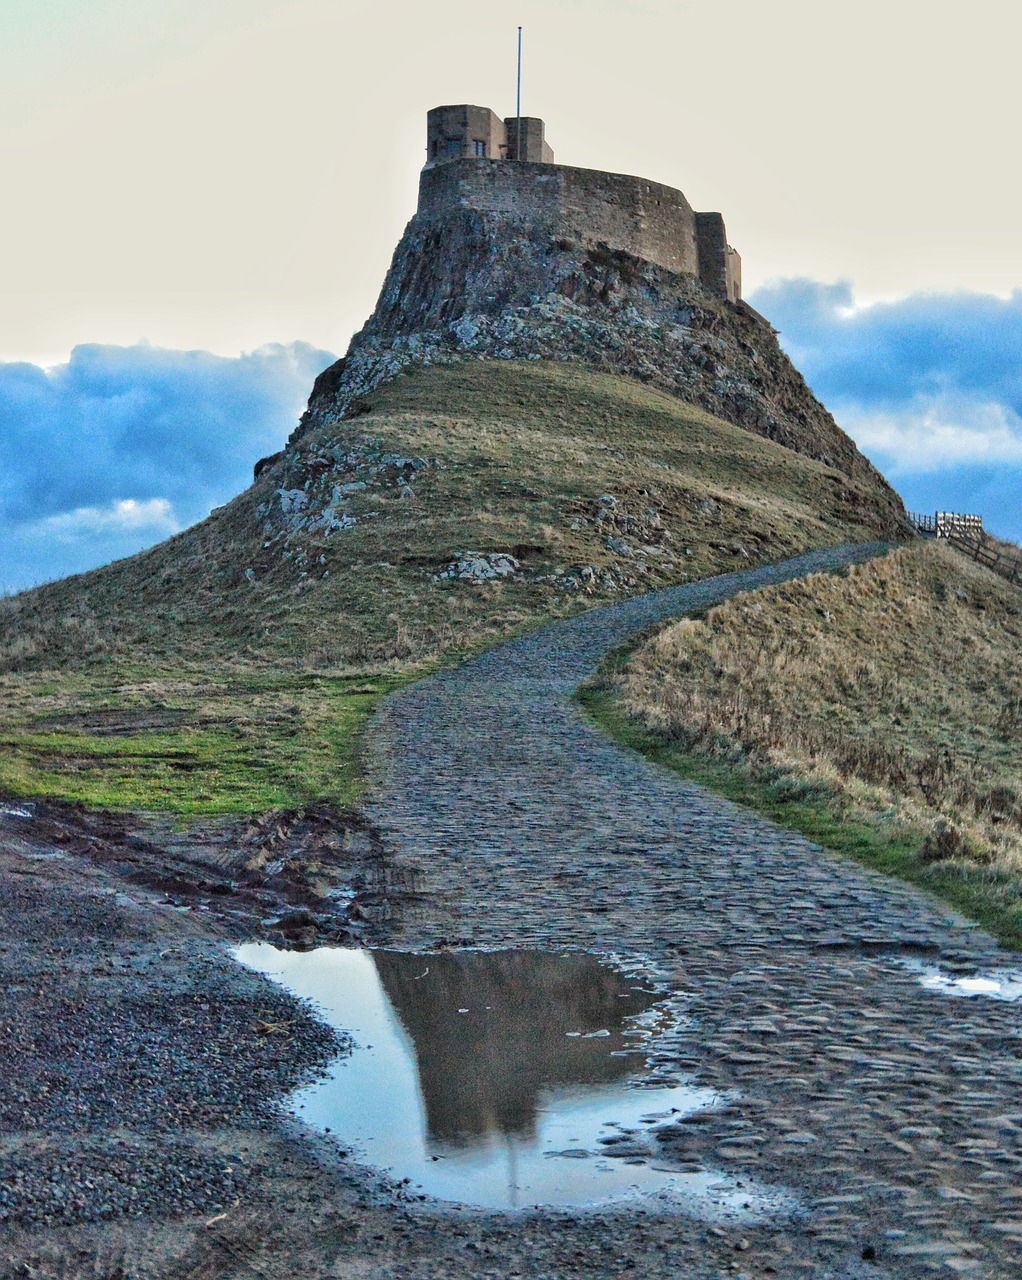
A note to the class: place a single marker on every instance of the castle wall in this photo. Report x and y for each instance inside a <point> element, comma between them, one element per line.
<point>720,267</point>
<point>642,218</point>
<point>733,263</point>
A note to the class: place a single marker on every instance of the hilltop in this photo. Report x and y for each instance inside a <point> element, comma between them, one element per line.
<point>473,284</point>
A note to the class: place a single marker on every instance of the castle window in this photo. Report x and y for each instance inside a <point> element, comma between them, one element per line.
<point>452,147</point>
<point>478,147</point>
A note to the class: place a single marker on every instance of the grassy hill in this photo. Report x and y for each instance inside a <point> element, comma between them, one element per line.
<point>879,711</point>
<point>230,667</point>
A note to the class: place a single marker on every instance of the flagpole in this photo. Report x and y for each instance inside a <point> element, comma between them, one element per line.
<point>518,100</point>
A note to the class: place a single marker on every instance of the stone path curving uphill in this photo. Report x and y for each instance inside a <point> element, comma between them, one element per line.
<point>894,1111</point>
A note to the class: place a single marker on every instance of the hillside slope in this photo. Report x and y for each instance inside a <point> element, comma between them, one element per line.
<point>465,284</point>
<point>462,501</point>
<point>586,484</point>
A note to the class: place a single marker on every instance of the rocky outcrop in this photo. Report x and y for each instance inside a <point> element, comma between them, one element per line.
<point>466,284</point>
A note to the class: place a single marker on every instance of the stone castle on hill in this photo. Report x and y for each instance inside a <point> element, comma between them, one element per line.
<point>510,256</point>
<point>476,160</point>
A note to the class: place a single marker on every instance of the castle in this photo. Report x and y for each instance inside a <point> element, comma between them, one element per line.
<point>512,257</point>
<point>475,160</point>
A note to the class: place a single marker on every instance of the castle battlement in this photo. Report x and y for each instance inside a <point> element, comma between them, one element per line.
<point>472,163</point>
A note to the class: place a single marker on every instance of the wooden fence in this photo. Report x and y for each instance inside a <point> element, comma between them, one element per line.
<point>946,524</point>
<point>978,549</point>
<point>966,533</point>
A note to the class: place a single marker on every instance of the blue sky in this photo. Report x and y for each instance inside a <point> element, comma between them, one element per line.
<point>929,386</point>
<point>121,447</point>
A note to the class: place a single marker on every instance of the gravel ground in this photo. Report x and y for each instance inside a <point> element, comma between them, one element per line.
<point>132,1035</point>
<point>140,1136</point>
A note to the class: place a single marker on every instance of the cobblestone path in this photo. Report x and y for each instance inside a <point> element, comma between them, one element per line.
<point>893,1111</point>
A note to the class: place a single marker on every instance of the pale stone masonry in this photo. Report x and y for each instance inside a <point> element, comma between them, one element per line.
<point>472,162</point>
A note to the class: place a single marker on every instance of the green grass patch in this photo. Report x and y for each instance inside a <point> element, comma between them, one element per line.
<point>190,741</point>
<point>238,744</point>
<point>991,897</point>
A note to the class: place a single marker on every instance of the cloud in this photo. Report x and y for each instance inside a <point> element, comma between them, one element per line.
<point>935,434</point>
<point>154,518</point>
<point>122,446</point>
<point>929,386</point>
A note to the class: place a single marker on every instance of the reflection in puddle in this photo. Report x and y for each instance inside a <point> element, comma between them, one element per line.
<point>500,1079</point>
<point>999,984</point>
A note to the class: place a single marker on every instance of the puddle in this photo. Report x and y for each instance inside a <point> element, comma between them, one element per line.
<point>999,984</point>
<point>502,1080</point>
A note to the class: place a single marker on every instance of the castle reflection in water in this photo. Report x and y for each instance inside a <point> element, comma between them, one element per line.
<point>492,1031</point>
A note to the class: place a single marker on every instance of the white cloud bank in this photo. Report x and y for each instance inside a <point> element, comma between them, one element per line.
<point>929,386</point>
<point>122,446</point>
<point>935,434</point>
<point>153,518</point>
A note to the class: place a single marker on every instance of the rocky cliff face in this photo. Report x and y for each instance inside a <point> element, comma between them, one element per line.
<point>465,284</point>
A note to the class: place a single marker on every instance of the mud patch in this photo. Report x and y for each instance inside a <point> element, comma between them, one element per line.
<point>298,877</point>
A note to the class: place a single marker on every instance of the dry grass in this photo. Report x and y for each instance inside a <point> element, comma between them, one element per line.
<point>894,690</point>
<point>519,455</point>
<point>1010,549</point>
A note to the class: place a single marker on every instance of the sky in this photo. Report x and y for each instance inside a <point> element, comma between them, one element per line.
<point>200,191</point>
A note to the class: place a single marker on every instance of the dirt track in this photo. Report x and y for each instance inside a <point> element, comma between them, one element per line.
<point>145,1059</point>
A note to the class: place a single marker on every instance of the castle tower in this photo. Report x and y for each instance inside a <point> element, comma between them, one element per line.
<point>533,135</point>
<point>477,133</point>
